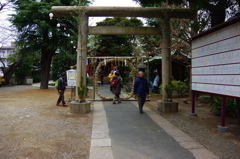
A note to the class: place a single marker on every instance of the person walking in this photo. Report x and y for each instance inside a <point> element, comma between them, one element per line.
<point>61,89</point>
<point>141,89</point>
<point>116,87</point>
<point>156,84</point>
<point>110,76</point>
<point>151,82</point>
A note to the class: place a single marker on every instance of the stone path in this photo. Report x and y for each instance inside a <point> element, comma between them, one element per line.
<point>101,146</point>
<point>120,132</point>
<point>105,90</point>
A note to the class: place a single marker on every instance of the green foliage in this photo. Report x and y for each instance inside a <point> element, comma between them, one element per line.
<point>81,89</point>
<point>33,24</point>
<point>24,70</point>
<point>169,88</point>
<point>210,12</point>
<point>181,87</point>
<point>151,43</point>
<point>13,57</point>
<point>231,107</point>
<point>37,34</point>
<point>160,89</point>
<point>36,79</point>
<point>61,63</point>
<point>180,37</point>
<point>115,45</point>
<point>124,75</point>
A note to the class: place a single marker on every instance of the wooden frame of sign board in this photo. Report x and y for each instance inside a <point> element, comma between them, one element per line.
<point>215,66</point>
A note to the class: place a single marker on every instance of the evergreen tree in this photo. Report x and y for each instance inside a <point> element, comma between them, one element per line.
<point>115,45</point>
<point>37,33</point>
<point>61,63</point>
<point>216,9</point>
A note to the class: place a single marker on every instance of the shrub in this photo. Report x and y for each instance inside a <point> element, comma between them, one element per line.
<point>231,107</point>
<point>160,89</point>
<point>169,88</point>
<point>181,87</point>
<point>36,79</point>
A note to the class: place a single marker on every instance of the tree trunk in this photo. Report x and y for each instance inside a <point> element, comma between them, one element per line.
<point>45,67</point>
<point>8,71</point>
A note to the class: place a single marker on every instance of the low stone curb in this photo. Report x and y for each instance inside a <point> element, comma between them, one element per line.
<point>101,146</point>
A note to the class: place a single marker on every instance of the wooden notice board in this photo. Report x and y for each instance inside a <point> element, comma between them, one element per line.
<point>216,61</point>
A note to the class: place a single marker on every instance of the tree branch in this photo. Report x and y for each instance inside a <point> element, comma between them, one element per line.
<point>2,5</point>
<point>4,66</point>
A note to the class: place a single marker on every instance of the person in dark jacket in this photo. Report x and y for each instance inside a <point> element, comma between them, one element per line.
<point>141,89</point>
<point>117,90</point>
<point>61,89</point>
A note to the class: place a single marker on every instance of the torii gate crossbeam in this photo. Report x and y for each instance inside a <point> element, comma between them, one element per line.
<point>148,12</point>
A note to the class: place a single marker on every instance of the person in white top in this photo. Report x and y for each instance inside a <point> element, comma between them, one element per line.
<point>156,84</point>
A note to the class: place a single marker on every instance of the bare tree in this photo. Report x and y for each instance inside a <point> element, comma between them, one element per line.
<point>10,69</point>
<point>3,5</point>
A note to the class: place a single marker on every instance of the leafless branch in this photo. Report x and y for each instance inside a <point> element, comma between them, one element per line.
<point>3,5</point>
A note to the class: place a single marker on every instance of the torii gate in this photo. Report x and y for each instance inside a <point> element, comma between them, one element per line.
<point>84,12</point>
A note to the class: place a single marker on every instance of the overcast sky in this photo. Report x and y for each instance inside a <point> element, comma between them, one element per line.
<point>4,23</point>
<point>122,3</point>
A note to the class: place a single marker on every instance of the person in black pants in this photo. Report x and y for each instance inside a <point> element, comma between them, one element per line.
<point>141,89</point>
<point>61,89</point>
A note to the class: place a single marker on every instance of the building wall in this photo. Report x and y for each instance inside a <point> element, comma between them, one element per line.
<point>4,52</point>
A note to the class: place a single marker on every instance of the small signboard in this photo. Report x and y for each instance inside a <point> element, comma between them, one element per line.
<point>216,61</point>
<point>71,77</point>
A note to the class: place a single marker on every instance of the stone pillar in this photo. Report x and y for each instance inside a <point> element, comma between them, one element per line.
<point>165,49</point>
<point>82,53</point>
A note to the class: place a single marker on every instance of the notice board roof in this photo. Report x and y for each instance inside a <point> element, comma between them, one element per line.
<point>218,27</point>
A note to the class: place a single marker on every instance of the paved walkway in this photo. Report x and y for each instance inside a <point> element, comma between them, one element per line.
<point>120,132</point>
<point>105,90</point>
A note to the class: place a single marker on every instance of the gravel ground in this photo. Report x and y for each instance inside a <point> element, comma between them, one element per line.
<point>204,130</point>
<point>214,142</point>
<point>33,127</point>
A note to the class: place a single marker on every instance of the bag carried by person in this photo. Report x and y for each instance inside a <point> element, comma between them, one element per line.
<point>114,83</point>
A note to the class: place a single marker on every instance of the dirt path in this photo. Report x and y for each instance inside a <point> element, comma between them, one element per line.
<point>204,128</point>
<point>33,127</point>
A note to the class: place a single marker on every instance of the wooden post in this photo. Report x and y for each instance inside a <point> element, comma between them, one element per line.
<point>94,82</point>
<point>193,102</point>
<point>222,128</point>
<point>165,54</point>
<point>82,53</point>
<point>148,73</point>
<point>223,111</point>
<point>193,105</point>
<point>136,73</point>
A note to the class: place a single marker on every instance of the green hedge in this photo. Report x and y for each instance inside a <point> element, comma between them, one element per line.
<point>36,79</point>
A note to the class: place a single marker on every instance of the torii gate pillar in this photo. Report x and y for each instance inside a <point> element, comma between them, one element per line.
<point>165,49</point>
<point>84,106</point>
<point>82,53</point>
